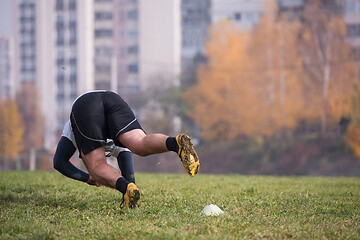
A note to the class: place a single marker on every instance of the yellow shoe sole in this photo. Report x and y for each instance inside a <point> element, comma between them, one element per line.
<point>131,196</point>
<point>134,199</point>
<point>188,155</point>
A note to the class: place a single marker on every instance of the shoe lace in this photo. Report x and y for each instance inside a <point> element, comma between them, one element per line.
<point>180,152</point>
<point>122,204</point>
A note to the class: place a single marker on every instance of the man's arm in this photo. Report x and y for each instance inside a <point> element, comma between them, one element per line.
<point>64,151</point>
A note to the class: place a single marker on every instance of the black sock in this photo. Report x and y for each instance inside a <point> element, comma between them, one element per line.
<point>121,185</point>
<point>172,145</point>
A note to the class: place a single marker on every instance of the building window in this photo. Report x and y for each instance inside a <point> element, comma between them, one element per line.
<point>60,81</point>
<point>60,62</point>
<point>103,15</point>
<point>59,23</point>
<point>72,25</point>
<point>72,40</point>
<point>353,30</point>
<point>133,49</point>
<point>237,16</point>
<point>103,51</point>
<point>102,68</point>
<point>73,78</point>
<point>133,34</point>
<point>72,62</point>
<point>352,7</point>
<point>60,38</point>
<point>132,15</point>
<point>59,5</point>
<point>103,33</point>
<point>133,68</point>
<point>72,4</point>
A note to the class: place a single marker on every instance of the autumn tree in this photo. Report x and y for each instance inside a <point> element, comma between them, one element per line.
<point>277,70</point>
<point>27,99</point>
<point>246,87</point>
<point>265,82</point>
<point>11,131</point>
<point>222,92</point>
<point>353,131</point>
<point>327,58</point>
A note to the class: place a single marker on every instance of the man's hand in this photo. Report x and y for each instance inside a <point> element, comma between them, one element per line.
<point>92,181</point>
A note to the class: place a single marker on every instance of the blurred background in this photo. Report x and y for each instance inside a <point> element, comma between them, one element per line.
<point>263,87</point>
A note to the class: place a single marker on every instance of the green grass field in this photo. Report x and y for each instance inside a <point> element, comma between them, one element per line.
<point>46,205</point>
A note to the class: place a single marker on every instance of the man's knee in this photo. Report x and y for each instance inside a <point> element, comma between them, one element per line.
<point>139,149</point>
<point>141,152</point>
<point>134,141</point>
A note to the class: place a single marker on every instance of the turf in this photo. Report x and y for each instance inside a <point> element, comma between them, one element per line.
<point>46,205</point>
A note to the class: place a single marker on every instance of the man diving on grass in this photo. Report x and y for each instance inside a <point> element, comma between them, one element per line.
<point>95,118</point>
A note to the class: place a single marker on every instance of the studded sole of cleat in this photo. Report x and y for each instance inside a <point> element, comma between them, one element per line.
<point>197,169</point>
<point>187,145</point>
<point>134,199</point>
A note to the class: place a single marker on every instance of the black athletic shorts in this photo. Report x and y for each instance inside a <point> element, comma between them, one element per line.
<point>100,115</point>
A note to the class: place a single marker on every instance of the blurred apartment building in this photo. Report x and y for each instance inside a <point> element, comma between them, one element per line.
<point>351,10</point>
<point>54,49</point>
<point>159,41</point>
<point>135,40</point>
<point>197,16</point>
<point>68,47</point>
<point>6,67</point>
<point>245,14</point>
<point>195,21</point>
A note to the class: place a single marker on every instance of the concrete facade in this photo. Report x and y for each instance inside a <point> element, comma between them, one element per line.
<point>7,84</point>
<point>160,41</point>
<point>54,49</point>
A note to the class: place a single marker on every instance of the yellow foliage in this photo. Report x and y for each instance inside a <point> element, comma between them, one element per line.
<point>217,98</point>
<point>27,99</point>
<point>279,76</point>
<point>353,139</point>
<point>353,131</point>
<point>331,71</point>
<point>255,84</point>
<point>11,129</point>
<point>238,93</point>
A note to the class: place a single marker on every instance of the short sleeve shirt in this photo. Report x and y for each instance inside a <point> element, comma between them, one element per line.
<point>68,133</point>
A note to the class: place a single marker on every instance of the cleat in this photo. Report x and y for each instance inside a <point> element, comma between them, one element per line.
<point>131,197</point>
<point>188,155</point>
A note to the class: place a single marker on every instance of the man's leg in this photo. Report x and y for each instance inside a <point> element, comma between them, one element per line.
<point>95,162</point>
<point>126,165</point>
<point>140,143</point>
<point>103,173</point>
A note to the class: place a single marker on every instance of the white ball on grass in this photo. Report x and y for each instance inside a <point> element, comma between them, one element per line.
<point>212,210</point>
